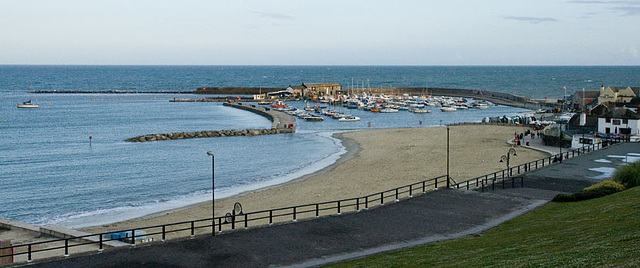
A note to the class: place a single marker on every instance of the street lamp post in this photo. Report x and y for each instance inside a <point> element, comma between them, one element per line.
<point>507,158</point>
<point>213,200</point>
<point>447,156</point>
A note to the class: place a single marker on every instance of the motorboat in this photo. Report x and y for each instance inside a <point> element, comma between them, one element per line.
<point>389,110</point>
<point>348,118</point>
<point>313,118</point>
<point>278,104</point>
<point>420,111</point>
<point>448,109</point>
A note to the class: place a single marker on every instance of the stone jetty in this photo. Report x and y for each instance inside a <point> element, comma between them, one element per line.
<point>282,123</point>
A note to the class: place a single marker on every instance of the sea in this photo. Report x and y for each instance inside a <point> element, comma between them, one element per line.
<point>67,162</point>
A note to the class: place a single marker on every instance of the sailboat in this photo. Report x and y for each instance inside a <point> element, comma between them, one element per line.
<point>28,104</point>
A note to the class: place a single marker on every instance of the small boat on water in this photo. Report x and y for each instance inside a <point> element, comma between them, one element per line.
<point>448,109</point>
<point>278,104</point>
<point>28,104</point>
<point>389,110</point>
<point>420,111</point>
<point>348,118</point>
<point>314,118</point>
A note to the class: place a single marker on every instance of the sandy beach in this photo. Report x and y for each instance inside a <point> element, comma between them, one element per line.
<point>376,160</point>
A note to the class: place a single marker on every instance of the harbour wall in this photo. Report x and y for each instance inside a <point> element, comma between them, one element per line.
<point>281,123</point>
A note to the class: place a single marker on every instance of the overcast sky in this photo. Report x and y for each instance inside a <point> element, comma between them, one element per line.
<point>320,32</point>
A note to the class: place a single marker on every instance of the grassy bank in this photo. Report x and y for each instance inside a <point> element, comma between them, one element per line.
<point>596,233</point>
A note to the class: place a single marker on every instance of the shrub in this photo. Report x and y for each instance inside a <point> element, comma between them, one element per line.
<point>594,191</point>
<point>629,175</point>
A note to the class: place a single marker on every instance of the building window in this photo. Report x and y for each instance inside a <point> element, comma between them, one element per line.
<point>625,131</point>
<point>607,120</point>
<point>616,122</point>
<point>586,141</point>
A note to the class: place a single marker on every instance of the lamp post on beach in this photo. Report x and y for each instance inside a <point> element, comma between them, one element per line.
<point>447,156</point>
<point>213,200</point>
<point>507,157</point>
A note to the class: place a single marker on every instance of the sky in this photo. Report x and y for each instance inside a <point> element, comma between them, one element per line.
<point>320,32</point>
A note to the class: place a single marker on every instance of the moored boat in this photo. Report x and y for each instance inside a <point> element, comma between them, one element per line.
<point>448,109</point>
<point>420,111</point>
<point>28,104</point>
<point>278,104</point>
<point>389,110</point>
<point>348,118</point>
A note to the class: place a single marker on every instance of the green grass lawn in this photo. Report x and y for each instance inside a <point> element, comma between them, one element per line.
<point>602,232</point>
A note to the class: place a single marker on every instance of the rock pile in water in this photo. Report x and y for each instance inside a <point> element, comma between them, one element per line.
<point>207,134</point>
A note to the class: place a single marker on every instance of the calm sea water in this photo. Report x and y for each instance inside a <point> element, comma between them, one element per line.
<point>50,173</point>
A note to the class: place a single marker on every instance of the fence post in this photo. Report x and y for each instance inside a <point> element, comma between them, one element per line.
<point>382,198</point>
<point>424,188</point>
<point>66,247</point>
<point>192,229</point>
<point>246,221</point>
<point>270,217</point>
<point>366,202</point>
<point>233,220</point>
<point>339,208</point>
<point>29,253</point>
<point>436,183</point>
<point>133,237</point>
<point>468,184</point>
<point>163,230</point>
<point>220,225</point>
<point>294,214</point>
<point>411,190</point>
<point>358,204</point>
<point>100,246</point>
<point>397,199</point>
<point>317,210</point>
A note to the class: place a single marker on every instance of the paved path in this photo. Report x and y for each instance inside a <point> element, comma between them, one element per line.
<point>436,216</point>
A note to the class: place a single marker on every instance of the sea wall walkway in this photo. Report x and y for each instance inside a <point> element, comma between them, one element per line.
<point>440,215</point>
<point>281,123</point>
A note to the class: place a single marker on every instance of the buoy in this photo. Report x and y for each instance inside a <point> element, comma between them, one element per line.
<point>49,103</point>
<point>368,123</point>
<point>90,140</point>
<point>420,122</point>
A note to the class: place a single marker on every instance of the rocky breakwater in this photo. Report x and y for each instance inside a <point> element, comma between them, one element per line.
<point>282,123</point>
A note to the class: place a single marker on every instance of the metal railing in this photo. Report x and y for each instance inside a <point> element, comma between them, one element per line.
<point>503,176</point>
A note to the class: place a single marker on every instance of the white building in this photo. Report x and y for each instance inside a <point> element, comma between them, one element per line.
<point>620,122</point>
